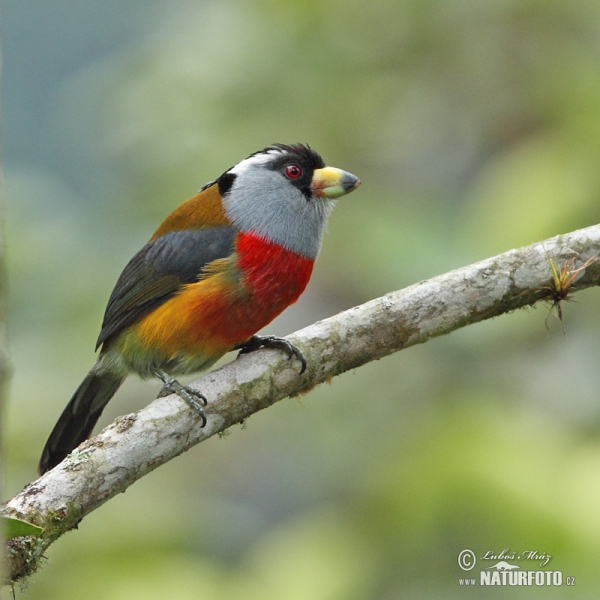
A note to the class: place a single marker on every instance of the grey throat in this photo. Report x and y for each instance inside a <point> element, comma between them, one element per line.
<point>262,201</point>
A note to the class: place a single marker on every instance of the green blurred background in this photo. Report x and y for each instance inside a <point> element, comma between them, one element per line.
<point>475,127</point>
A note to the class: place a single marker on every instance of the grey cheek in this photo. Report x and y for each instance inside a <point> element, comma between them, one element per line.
<point>294,222</point>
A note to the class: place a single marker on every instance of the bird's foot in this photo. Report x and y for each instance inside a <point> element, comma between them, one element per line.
<point>270,341</point>
<point>193,398</point>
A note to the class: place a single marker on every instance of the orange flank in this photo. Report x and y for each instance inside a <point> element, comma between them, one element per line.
<point>205,209</point>
<point>200,319</point>
<point>237,297</point>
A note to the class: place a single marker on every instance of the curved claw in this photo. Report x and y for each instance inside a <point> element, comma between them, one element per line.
<point>294,351</point>
<point>271,341</point>
<point>193,398</point>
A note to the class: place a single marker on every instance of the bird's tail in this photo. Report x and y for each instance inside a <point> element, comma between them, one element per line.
<point>79,417</point>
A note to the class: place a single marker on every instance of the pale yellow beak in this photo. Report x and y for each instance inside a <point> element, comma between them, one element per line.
<point>333,183</point>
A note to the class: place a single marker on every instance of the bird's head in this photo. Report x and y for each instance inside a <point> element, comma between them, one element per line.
<point>285,195</point>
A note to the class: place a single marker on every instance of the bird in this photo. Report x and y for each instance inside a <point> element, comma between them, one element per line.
<point>217,270</point>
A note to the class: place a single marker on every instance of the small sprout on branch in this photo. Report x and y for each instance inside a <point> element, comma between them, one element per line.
<point>17,527</point>
<point>560,286</point>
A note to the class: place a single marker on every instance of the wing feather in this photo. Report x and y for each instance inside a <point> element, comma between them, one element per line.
<point>159,270</point>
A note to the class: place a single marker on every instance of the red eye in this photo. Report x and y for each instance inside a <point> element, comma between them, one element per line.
<point>293,171</point>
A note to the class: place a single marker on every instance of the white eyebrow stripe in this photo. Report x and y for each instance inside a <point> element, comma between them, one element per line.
<point>253,161</point>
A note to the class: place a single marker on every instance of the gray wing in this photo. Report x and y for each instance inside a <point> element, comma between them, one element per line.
<point>159,270</point>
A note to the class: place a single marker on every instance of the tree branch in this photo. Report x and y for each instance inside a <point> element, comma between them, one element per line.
<point>138,443</point>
